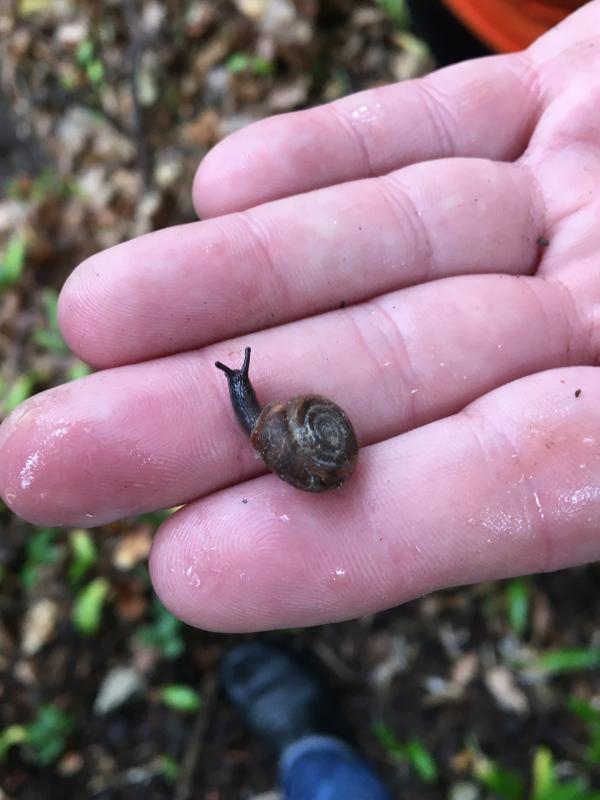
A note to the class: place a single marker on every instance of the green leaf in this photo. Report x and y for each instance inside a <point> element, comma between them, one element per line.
<point>388,740</point>
<point>51,338</point>
<point>421,761</point>
<point>238,62</point>
<point>169,769</point>
<point>543,773</point>
<point>14,734</point>
<point>47,734</point>
<point>78,370</point>
<point>19,390</point>
<point>262,66</point>
<point>88,605</point>
<point>84,52</point>
<point>13,261</point>
<point>584,710</point>
<point>569,660</point>
<point>397,10</point>
<point>590,715</point>
<point>95,72</point>
<point>40,550</point>
<point>593,752</point>
<point>504,783</point>
<point>164,633</point>
<point>83,553</point>
<point>181,698</point>
<point>518,595</point>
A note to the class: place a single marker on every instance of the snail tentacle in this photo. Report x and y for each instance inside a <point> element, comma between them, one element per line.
<point>241,391</point>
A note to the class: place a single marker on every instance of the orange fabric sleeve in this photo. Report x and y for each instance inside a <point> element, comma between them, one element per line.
<point>509,25</point>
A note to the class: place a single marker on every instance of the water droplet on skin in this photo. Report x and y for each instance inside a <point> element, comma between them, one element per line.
<point>365,114</point>
<point>538,504</point>
<point>194,578</point>
<point>413,391</point>
<point>340,572</point>
<point>28,471</point>
<point>284,518</point>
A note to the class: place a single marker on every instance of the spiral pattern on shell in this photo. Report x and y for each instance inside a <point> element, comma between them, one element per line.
<point>309,442</point>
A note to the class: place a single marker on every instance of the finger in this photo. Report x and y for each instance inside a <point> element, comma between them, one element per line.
<point>159,434</point>
<point>509,486</point>
<point>485,108</point>
<point>188,286</point>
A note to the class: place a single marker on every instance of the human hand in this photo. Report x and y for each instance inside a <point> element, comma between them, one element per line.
<point>465,355</point>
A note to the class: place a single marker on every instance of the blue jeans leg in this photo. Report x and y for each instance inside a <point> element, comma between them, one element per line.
<point>324,768</point>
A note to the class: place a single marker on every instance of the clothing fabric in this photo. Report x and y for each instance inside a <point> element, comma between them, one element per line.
<point>325,768</point>
<point>510,25</point>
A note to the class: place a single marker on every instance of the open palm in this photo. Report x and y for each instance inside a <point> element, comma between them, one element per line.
<point>427,255</point>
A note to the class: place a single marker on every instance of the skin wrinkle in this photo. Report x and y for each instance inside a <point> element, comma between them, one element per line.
<point>575,343</point>
<point>528,505</point>
<point>434,102</point>
<point>354,132</point>
<point>423,250</point>
<point>533,83</point>
<point>277,288</point>
<point>537,210</point>
<point>401,367</point>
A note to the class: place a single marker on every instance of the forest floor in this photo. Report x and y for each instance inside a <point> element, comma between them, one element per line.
<point>487,691</point>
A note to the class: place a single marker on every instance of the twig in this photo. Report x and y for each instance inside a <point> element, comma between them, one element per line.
<point>135,51</point>
<point>184,788</point>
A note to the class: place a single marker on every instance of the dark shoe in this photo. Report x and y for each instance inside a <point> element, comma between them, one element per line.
<point>278,699</point>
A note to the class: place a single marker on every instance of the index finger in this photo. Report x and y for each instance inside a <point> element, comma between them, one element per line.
<point>484,108</point>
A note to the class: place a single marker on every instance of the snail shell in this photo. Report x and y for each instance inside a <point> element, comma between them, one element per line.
<point>308,441</point>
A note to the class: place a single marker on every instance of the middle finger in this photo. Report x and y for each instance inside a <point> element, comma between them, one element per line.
<point>158,434</point>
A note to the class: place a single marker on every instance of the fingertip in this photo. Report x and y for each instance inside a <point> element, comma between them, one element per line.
<point>189,575</point>
<point>80,302</point>
<point>219,185</point>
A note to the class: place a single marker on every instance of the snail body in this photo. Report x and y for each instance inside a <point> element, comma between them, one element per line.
<point>308,441</point>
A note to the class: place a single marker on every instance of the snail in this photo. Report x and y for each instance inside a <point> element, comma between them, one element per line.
<point>308,441</point>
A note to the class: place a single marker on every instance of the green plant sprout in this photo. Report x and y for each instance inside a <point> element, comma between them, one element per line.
<point>397,11</point>
<point>181,698</point>
<point>85,56</point>
<point>84,555</point>
<point>242,62</point>
<point>50,338</point>
<point>413,752</point>
<point>505,784</point>
<point>555,662</point>
<point>518,602</point>
<point>13,260</point>
<point>41,550</point>
<point>590,716</point>
<point>164,632</point>
<point>19,390</point>
<point>44,737</point>
<point>169,769</point>
<point>88,606</point>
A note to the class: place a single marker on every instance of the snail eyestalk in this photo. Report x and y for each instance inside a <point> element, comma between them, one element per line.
<point>243,398</point>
